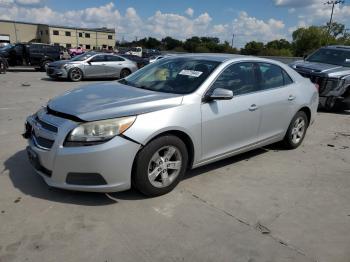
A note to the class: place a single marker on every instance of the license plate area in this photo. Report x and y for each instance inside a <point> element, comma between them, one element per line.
<point>33,158</point>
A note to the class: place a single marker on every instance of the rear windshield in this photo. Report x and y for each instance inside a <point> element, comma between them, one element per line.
<point>172,75</point>
<point>331,56</point>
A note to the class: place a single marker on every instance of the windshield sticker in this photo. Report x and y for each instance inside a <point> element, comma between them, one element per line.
<point>190,73</point>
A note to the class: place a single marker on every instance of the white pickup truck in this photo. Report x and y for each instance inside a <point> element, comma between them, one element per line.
<point>135,51</point>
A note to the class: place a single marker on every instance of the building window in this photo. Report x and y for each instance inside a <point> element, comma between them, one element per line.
<point>87,35</point>
<point>87,46</point>
<point>68,33</point>
<point>80,34</point>
<point>104,46</point>
<point>40,32</point>
<point>47,32</point>
<point>110,37</point>
<point>110,47</point>
<point>68,45</point>
<point>56,44</point>
<point>55,32</point>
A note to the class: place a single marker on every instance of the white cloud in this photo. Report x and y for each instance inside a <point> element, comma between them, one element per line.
<point>248,28</point>
<point>130,25</point>
<point>29,2</point>
<point>189,11</point>
<point>296,3</point>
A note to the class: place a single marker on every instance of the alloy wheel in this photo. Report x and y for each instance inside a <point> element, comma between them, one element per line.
<point>164,166</point>
<point>75,74</point>
<point>298,130</point>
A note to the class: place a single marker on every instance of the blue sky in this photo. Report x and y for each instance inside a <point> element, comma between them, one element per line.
<point>260,20</point>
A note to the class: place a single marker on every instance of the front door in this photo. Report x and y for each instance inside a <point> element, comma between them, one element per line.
<point>96,67</point>
<point>229,125</point>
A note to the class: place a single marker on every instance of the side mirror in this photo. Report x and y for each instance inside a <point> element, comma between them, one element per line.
<point>219,94</point>
<point>89,62</point>
<point>304,57</point>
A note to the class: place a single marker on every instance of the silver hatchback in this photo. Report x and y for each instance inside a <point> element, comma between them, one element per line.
<point>175,114</point>
<point>91,65</point>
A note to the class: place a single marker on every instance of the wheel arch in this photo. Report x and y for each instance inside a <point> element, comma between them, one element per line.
<point>307,111</point>
<point>183,136</point>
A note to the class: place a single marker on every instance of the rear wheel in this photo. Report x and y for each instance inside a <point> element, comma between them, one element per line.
<point>296,131</point>
<point>124,73</point>
<point>2,67</point>
<point>160,165</point>
<point>75,74</point>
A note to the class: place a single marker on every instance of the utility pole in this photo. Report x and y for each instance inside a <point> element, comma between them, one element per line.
<point>233,36</point>
<point>333,4</point>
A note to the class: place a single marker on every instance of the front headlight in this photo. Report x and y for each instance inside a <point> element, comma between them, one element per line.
<point>100,131</point>
<point>64,66</point>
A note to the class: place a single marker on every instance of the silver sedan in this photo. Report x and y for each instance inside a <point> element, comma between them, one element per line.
<point>173,115</point>
<point>92,65</point>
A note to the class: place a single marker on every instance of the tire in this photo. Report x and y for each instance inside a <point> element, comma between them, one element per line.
<point>75,74</point>
<point>296,131</point>
<point>152,162</point>
<point>44,65</point>
<point>2,67</point>
<point>124,73</point>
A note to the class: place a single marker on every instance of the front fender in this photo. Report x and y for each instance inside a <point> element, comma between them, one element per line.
<point>184,118</point>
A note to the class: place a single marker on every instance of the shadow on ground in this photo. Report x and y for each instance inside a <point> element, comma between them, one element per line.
<point>25,179</point>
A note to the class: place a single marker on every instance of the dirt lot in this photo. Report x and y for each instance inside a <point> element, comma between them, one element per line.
<point>266,205</point>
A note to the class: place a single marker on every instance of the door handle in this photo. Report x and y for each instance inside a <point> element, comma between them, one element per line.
<point>291,98</point>
<point>253,107</point>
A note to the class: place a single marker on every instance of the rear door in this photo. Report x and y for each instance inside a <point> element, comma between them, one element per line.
<point>276,100</point>
<point>114,64</point>
<point>96,67</point>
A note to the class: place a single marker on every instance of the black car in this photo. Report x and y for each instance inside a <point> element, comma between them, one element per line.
<point>329,67</point>
<point>30,54</point>
<point>141,62</point>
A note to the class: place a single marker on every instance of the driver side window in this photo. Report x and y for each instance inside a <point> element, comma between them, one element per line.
<point>240,78</point>
<point>98,58</point>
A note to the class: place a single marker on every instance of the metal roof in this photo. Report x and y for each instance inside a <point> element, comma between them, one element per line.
<point>102,29</point>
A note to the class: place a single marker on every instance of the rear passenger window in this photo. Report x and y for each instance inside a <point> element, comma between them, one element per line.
<point>273,76</point>
<point>240,78</point>
<point>114,58</point>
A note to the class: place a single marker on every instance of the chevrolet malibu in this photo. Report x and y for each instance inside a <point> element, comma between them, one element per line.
<point>178,113</point>
<point>91,65</point>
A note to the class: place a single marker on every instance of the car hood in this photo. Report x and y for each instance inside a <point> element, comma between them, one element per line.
<point>321,68</point>
<point>111,100</point>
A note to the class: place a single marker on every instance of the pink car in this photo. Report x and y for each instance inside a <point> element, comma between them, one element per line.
<point>76,51</point>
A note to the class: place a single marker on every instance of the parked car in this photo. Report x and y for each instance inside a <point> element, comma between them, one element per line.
<point>147,53</point>
<point>137,51</point>
<point>30,54</point>
<point>179,113</point>
<point>329,67</point>
<point>91,65</point>
<point>3,65</point>
<point>140,62</point>
<point>153,59</point>
<point>76,51</point>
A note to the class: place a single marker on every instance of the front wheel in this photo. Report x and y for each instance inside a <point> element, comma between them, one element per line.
<point>2,67</point>
<point>296,131</point>
<point>75,75</point>
<point>45,65</point>
<point>160,165</point>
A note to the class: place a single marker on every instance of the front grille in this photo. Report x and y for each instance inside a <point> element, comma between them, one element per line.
<point>85,179</point>
<point>46,125</point>
<point>43,142</point>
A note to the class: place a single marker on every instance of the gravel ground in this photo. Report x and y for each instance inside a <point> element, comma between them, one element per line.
<point>266,205</point>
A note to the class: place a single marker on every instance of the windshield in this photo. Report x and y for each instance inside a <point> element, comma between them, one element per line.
<point>6,47</point>
<point>177,75</point>
<point>331,56</point>
<point>82,57</point>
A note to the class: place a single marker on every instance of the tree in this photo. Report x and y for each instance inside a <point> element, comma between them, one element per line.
<point>170,43</point>
<point>279,44</point>
<point>306,40</point>
<point>336,29</point>
<point>253,48</point>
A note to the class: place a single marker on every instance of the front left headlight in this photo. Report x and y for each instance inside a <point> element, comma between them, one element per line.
<point>100,131</point>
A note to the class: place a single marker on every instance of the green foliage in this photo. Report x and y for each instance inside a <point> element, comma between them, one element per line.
<point>253,48</point>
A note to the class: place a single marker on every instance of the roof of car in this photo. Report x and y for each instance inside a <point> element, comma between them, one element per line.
<point>341,47</point>
<point>219,57</point>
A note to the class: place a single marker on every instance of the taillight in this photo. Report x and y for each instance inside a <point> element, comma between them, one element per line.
<point>317,86</point>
